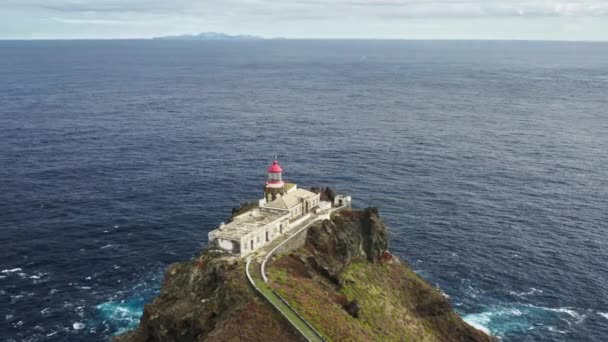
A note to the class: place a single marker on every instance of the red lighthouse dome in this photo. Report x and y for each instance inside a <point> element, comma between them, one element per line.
<point>275,187</point>
<point>275,167</point>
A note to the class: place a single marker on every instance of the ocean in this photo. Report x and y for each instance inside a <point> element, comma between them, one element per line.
<point>488,162</point>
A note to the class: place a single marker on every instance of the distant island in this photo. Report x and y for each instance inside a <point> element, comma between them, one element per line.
<point>210,36</point>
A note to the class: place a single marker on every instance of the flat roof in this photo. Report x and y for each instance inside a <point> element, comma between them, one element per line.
<point>248,222</point>
<point>290,199</point>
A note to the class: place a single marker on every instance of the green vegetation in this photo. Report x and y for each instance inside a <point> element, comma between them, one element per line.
<point>395,304</point>
<point>271,296</point>
<point>343,281</point>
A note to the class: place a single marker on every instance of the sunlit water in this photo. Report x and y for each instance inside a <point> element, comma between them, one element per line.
<point>487,160</point>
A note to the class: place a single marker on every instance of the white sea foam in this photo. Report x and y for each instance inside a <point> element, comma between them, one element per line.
<point>553,329</point>
<point>532,291</point>
<point>578,317</point>
<point>79,311</point>
<point>78,326</point>
<point>106,246</point>
<point>497,320</point>
<point>568,311</point>
<point>125,313</point>
<point>16,298</point>
<point>479,321</point>
<point>603,314</point>
<point>12,270</point>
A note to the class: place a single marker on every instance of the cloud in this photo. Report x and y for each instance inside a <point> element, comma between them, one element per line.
<point>319,9</point>
<point>91,21</point>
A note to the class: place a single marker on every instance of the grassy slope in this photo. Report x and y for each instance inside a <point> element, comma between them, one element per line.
<point>209,299</point>
<point>395,303</point>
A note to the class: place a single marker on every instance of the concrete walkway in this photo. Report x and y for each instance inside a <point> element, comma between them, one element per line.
<point>252,268</point>
<point>256,273</point>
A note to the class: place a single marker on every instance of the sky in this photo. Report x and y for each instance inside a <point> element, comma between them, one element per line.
<point>382,19</point>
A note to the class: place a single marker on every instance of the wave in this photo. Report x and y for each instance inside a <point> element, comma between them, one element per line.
<point>8,271</point>
<point>124,315</point>
<point>499,320</point>
<point>603,314</point>
<point>532,291</point>
<point>479,321</point>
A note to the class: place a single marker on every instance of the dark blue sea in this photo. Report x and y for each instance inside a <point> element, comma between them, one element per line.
<point>488,161</point>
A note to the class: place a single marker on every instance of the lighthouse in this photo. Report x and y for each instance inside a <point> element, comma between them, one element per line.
<point>275,187</point>
<point>283,209</point>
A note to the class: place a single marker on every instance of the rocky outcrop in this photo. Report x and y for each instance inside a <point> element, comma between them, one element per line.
<point>326,194</point>
<point>242,208</point>
<point>348,236</point>
<point>343,280</point>
<point>346,272</point>
<point>208,299</point>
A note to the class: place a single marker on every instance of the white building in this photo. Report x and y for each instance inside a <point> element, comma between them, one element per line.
<point>283,207</point>
<point>250,231</point>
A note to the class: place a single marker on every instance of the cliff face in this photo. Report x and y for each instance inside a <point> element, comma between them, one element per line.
<point>348,285</point>
<point>209,299</point>
<point>343,281</point>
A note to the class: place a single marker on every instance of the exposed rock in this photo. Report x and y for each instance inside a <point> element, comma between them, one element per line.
<point>378,296</point>
<point>344,281</point>
<point>350,235</point>
<point>243,208</point>
<point>352,307</point>
<point>200,299</point>
<point>327,193</point>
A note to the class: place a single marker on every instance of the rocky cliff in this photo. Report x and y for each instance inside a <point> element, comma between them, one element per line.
<point>343,280</point>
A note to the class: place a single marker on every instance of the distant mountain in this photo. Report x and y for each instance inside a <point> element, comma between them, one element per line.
<point>210,36</point>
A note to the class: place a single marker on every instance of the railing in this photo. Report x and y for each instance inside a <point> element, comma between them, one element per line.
<point>312,335</point>
<point>263,269</point>
<point>320,217</point>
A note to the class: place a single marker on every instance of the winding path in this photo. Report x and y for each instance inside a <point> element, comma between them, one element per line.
<point>280,304</point>
<point>259,281</point>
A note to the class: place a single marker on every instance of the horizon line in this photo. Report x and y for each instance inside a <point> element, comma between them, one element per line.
<point>161,38</point>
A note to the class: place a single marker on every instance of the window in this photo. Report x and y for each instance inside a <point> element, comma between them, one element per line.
<point>267,236</point>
